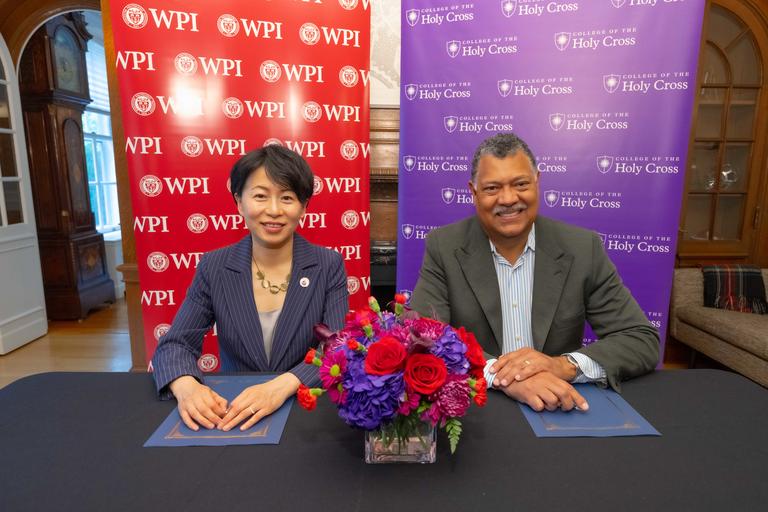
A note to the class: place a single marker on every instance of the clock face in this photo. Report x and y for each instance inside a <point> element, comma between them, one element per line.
<point>67,55</point>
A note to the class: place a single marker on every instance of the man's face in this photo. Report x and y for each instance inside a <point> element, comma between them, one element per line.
<point>506,193</point>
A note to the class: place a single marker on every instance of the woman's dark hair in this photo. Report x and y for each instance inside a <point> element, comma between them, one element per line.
<point>283,166</point>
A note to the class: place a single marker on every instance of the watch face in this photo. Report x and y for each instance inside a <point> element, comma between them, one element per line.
<point>67,56</point>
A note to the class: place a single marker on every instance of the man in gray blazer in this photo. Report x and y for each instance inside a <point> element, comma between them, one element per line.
<point>525,285</point>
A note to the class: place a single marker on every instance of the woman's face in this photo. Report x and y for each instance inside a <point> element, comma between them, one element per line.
<point>271,213</point>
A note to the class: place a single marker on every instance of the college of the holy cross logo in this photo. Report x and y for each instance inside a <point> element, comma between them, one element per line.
<point>412,16</point>
<point>562,40</point>
<point>407,230</point>
<point>408,162</point>
<point>611,83</point>
<point>453,48</point>
<point>508,7</point>
<point>504,87</point>
<point>411,90</point>
<point>604,163</point>
<point>450,123</point>
<point>551,197</point>
<point>448,194</point>
<point>556,121</point>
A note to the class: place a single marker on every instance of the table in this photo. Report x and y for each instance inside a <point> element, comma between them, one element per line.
<point>73,441</point>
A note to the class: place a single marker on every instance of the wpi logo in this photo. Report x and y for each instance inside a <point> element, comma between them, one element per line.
<point>618,3</point>
<point>562,40</point>
<point>551,197</point>
<point>142,103</point>
<point>453,48</point>
<point>207,362</point>
<point>228,25</point>
<point>450,123</point>
<point>604,163</point>
<point>350,219</point>
<point>409,161</point>
<point>504,87</point>
<point>448,195</point>
<point>411,90</point>
<point>185,63</point>
<point>150,185</point>
<point>348,76</point>
<point>603,237</point>
<point>191,146</point>
<point>556,121</point>
<point>160,330</point>
<point>232,107</point>
<point>412,16</point>
<point>348,4</point>
<point>349,150</point>
<point>407,230</point>
<point>158,261</point>
<point>611,83</point>
<point>508,7</point>
<point>317,186</point>
<point>311,112</point>
<point>197,223</point>
<point>309,34</point>
<point>135,16</point>
<point>269,142</point>
<point>270,71</point>
<point>353,285</point>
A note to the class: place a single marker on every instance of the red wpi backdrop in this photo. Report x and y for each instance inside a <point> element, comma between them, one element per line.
<point>202,83</point>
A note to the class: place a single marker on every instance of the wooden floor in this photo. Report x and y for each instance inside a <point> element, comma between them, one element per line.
<point>100,343</point>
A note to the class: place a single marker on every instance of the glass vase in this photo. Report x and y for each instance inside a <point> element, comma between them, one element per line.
<point>385,446</point>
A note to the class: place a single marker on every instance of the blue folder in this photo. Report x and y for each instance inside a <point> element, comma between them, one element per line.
<point>609,415</point>
<point>173,431</point>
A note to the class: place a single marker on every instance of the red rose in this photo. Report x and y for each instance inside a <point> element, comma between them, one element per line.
<point>385,356</point>
<point>425,373</point>
<point>474,350</point>
<point>400,298</point>
<point>310,357</point>
<point>306,399</point>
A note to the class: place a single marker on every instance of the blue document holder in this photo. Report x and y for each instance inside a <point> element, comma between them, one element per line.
<point>173,431</point>
<point>609,415</point>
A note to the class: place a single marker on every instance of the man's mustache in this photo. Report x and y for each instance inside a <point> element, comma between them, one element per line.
<point>514,208</point>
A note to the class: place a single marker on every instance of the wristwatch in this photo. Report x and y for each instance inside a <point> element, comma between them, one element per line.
<point>575,363</point>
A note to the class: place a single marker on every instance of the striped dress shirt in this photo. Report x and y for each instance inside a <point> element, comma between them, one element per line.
<point>516,294</point>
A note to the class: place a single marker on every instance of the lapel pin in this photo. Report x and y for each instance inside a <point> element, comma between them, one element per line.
<point>304,282</point>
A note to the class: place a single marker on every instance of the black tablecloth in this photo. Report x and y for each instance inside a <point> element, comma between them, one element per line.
<point>73,441</point>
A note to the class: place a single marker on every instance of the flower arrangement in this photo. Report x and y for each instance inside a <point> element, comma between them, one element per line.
<point>397,370</point>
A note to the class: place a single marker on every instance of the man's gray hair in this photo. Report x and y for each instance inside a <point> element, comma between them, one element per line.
<point>502,145</point>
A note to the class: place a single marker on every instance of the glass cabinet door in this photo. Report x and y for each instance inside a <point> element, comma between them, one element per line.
<point>724,174</point>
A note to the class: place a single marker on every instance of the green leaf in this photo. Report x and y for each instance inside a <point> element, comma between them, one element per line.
<point>453,429</point>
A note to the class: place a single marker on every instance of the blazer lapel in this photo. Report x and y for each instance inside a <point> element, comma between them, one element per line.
<point>549,274</point>
<point>475,260</point>
<point>238,290</point>
<point>305,265</point>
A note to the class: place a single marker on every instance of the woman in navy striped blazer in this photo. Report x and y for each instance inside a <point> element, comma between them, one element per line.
<point>265,293</point>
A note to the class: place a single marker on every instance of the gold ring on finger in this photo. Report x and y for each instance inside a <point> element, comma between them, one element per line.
<point>250,408</point>
<point>527,362</point>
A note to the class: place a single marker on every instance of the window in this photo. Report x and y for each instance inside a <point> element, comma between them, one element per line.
<point>11,206</point>
<point>97,135</point>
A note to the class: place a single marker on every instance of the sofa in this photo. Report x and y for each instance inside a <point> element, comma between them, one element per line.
<point>736,340</point>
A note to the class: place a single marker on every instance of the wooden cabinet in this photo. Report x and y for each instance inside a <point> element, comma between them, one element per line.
<point>54,93</point>
<point>725,198</point>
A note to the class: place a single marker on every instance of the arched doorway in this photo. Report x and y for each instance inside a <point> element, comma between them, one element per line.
<point>22,306</point>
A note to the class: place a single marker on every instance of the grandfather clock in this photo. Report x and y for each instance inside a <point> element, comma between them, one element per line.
<point>54,93</point>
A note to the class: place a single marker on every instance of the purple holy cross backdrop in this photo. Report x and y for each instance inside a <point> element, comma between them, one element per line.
<point>601,90</point>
